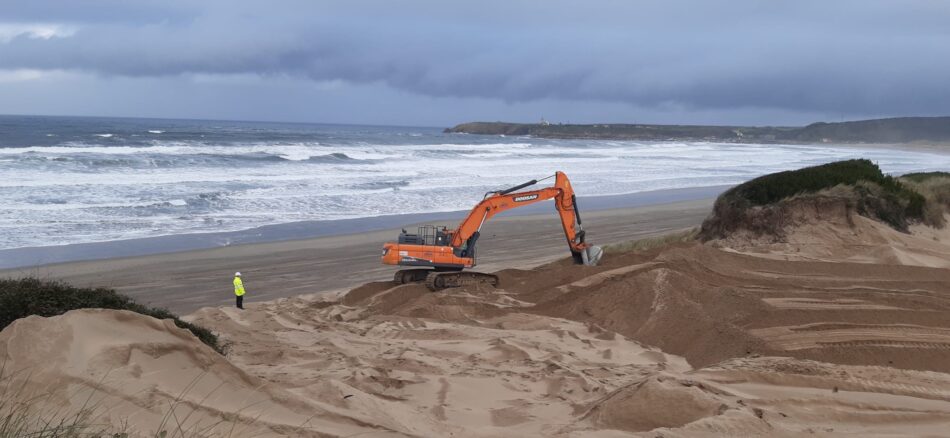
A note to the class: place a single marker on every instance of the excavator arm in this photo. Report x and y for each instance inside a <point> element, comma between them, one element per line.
<point>565,202</point>
<point>438,256</point>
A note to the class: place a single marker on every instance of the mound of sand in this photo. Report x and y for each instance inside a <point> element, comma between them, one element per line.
<point>828,229</point>
<point>841,328</point>
<point>468,364</point>
<point>710,305</point>
<point>127,368</point>
<point>864,241</point>
<point>556,351</point>
<point>660,401</point>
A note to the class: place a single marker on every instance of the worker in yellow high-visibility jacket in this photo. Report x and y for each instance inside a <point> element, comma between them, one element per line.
<point>239,290</point>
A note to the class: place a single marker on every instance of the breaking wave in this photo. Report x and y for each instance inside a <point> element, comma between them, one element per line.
<point>201,177</point>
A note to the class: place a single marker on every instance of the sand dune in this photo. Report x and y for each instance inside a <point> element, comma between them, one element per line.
<point>154,376</point>
<point>737,315</point>
<point>840,235</point>
<point>734,338</point>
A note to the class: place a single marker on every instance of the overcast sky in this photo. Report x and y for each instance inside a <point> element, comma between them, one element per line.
<point>437,63</point>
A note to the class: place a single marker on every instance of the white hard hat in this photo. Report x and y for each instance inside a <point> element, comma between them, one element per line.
<point>237,274</point>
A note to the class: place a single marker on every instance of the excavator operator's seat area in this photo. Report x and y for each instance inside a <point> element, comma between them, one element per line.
<point>426,235</point>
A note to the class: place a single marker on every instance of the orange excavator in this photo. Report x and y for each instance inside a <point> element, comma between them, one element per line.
<point>438,255</point>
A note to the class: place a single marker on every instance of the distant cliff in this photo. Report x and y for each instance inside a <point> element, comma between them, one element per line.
<point>895,130</point>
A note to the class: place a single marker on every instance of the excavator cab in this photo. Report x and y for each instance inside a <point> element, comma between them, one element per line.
<point>426,235</point>
<point>438,255</point>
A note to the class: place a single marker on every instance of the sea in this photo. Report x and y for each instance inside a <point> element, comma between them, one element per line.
<point>69,180</point>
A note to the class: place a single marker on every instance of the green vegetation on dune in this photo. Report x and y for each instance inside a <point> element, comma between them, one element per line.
<point>924,176</point>
<point>774,187</point>
<point>756,205</point>
<point>20,298</point>
<point>935,188</point>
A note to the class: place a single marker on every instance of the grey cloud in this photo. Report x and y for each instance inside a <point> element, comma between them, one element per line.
<point>847,56</point>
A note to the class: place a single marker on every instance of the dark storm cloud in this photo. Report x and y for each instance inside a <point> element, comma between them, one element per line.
<point>860,57</point>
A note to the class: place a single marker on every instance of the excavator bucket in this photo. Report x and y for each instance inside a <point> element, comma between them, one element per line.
<point>592,255</point>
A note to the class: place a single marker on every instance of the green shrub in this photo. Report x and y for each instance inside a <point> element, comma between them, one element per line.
<point>775,187</point>
<point>20,298</point>
<point>874,194</point>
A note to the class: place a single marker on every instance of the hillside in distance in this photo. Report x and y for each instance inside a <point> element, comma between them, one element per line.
<point>892,130</point>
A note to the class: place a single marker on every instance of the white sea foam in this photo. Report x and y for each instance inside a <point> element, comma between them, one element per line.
<point>155,131</point>
<point>297,151</point>
<point>104,135</point>
<point>60,194</point>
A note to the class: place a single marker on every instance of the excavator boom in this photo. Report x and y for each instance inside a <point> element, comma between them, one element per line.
<point>453,250</point>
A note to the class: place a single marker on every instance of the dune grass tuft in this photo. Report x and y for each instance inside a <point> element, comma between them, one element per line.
<point>25,415</point>
<point>935,188</point>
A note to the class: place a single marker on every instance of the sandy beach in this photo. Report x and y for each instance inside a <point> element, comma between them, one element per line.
<point>840,330</point>
<point>186,281</point>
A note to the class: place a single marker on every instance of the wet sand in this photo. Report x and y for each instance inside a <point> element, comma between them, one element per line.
<point>186,281</point>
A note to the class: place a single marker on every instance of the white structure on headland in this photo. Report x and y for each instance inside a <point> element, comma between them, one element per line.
<point>544,122</point>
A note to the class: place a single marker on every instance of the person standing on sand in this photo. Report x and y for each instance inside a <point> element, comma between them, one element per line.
<point>239,290</point>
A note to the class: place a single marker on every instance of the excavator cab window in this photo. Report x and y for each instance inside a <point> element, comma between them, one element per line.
<point>427,235</point>
<point>410,238</point>
<point>442,237</point>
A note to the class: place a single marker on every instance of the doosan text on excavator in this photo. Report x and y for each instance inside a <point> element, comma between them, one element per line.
<point>439,255</point>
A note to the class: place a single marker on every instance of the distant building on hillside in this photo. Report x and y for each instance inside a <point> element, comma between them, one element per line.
<point>544,122</point>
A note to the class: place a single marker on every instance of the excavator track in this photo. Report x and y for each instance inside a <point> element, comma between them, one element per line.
<point>405,276</point>
<point>437,281</point>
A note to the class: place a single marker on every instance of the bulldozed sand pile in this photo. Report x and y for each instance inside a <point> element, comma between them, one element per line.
<point>709,305</point>
<point>772,348</point>
<point>741,345</point>
<point>840,326</point>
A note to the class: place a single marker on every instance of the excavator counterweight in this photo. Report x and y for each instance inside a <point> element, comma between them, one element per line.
<point>439,255</point>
